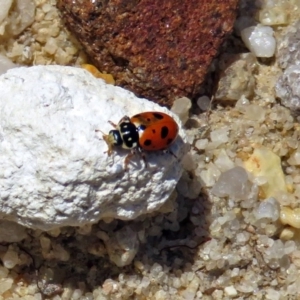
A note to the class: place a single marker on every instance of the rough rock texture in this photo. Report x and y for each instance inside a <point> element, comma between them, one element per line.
<point>157,49</point>
<point>53,169</point>
<point>288,47</point>
<point>288,89</point>
<point>237,77</point>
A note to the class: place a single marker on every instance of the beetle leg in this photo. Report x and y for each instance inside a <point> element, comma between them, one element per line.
<point>112,124</point>
<point>128,158</point>
<point>143,156</point>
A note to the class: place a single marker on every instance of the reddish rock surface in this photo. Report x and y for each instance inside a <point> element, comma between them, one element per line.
<point>159,49</point>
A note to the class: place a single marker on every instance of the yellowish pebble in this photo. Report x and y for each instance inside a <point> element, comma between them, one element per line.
<point>290,216</point>
<point>287,233</point>
<point>264,163</point>
<point>108,78</point>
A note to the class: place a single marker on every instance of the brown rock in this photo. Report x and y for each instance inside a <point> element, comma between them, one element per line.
<point>159,49</point>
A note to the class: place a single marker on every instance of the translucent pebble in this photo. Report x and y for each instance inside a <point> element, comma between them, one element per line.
<point>295,256</point>
<point>201,144</point>
<point>242,104</point>
<point>276,251</point>
<point>46,7</point>
<point>245,287</point>
<point>208,177</point>
<point>223,162</point>
<point>289,247</point>
<point>5,6</point>
<point>219,135</point>
<point>51,46</point>
<point>294,159</point>
<point>5,285</point>
<point>123,246</point>
<point>155,269</point>
<point>109,286</point>
<point>267,209</point>
<point>5,63</point>
<point>217,294</point>
<point>233,183</point>
<point>190,292</point>
<point>10,259</point>
<point>259,40</point>
<point>160,295</point>
<point>25,10</point>
<point>181,108</point>
<point>235,272</point>
<point>3,272</point>
<point>276,15</point>
<point>255,113</point>
<point>243,237</point>
<point>145,282</point>
<point>230,291</point>
<point>76,294</point>
<point>188,162</point>
<point>87,296</point>
<point>204,103</point>
<point>285,198</point>
<point>272,294</point>
<point>176,283</point>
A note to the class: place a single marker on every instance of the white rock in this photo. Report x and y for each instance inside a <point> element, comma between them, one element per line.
<point>259,40</point>
<point>53,169</point>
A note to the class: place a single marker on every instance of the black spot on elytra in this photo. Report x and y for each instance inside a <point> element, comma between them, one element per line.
<point>158,116</point>
<point>147,143</point>
<point>153,131</point>
<point>164,132</point>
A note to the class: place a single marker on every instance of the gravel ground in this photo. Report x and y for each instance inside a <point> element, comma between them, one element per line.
<point>230,230</point>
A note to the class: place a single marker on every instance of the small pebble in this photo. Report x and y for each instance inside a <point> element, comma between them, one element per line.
<point>230,291</point>
<point>259,40</point>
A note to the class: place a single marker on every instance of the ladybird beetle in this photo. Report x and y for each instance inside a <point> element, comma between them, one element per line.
<point>149,131</point>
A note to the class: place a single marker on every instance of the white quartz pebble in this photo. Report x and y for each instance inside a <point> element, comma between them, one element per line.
<point>259,40</point>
